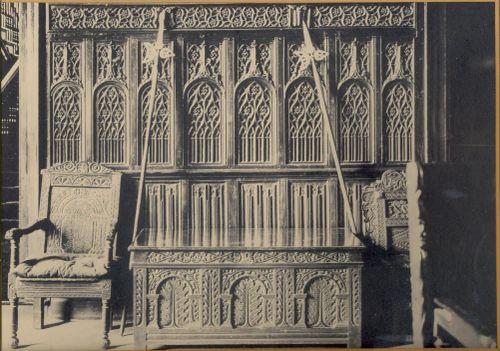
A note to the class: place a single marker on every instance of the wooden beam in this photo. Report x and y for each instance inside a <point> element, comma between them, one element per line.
<point>10,74</point>
<point>29,121</point>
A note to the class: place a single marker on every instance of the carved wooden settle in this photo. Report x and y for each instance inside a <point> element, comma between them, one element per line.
<point>238,160</point>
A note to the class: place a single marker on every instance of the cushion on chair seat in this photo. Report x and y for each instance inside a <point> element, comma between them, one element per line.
<point>61,266</point>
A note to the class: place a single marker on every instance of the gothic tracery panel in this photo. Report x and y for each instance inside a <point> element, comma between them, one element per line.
<point>355,123</point>
<point>66,119</point>
<point>254,123</point>
<point>305,124</point>
<point>164,66</point>
<point>398,113</point>
<point>204,104</point>
<point>354,59</point>
<point>160,149</point>
<point>110,111</point>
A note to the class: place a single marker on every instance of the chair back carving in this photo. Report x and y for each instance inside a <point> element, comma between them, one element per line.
<point>385,211</point>
<point>81,200</point>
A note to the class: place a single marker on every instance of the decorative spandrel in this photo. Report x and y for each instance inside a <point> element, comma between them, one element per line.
<point>203,60</point>
<point>110,61</point>
<point>66,62</point>
<point>295,69</point>
<point>160,146</point>
<point>66,101</point>
<point>204,104</point>
<point>305,124</point>
<point>398,61</point>
<point>164,66</point>
<point>254,59</point>
<point>253,107</point>
<point>110,111</point>
<point>355,123</point>
<point>355,59</point>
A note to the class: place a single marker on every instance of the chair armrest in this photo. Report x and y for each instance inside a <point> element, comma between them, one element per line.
<point>16,233</point>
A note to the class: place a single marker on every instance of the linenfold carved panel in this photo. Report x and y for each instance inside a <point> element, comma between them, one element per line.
<point>259,214</point>
<point>208,215</point>
<point>162,212</point>
<point>217,17</point>
<point>309,214</point>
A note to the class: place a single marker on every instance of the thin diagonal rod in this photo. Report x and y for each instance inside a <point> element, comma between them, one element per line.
<point>152,94</point>
<point>329,132</point>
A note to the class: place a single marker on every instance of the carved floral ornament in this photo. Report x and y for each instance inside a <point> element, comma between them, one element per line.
<point>64,17</point>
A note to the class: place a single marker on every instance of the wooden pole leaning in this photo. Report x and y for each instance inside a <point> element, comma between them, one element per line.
<point>310,53</point>
<point>154,83</point>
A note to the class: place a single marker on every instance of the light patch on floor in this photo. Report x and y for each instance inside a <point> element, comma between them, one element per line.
<point>75,335</point>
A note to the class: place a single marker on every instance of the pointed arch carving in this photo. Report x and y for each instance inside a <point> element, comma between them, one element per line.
<point>305,124</point>
<point>66,108</point>
<point>398,121</point>
<point>254,121</point>
<point>203,101</point>
<point>160,143</point>
<point>110,112</point>
<point>355,112</point>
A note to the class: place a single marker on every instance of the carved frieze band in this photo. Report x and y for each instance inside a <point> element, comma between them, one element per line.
<point>250,257</point>
<point>64,17</point>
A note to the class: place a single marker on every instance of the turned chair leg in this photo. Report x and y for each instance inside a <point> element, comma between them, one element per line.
<point>14,341</point>
<point>38,313</point>
<point>105,323</point>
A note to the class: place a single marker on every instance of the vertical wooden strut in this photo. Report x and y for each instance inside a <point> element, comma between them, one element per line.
<point>153,54</point>
<point>308,56</point>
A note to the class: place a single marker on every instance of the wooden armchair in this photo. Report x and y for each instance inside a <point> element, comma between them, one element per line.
<point>78,214</point>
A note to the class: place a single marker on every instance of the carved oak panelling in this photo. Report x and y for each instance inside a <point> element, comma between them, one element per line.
<point>203,60</point>
<point>163,215</point>
<point>204,106</point>
<point>110,113</point>
<point>208,215</point>
<point>160,143</point>
<point>254,59</point>
<point>259,214</point>
<point>355,117</point>
<point>66,108</point>
<point>361,15</point>
<point>66,62</point>
<point>218,17</point>
<point>70,234</point>
<point>309,214</point>
<point>355,59</point>
<point>398,100</point>
<point>164,66</point>
<point>110,61</point>
<point>305,123</point>
<point>385,210</point>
